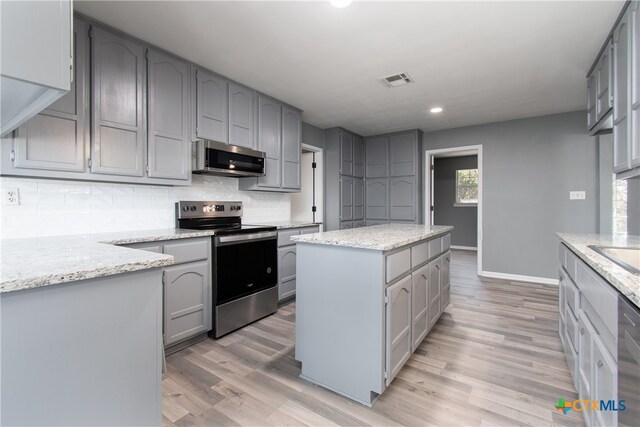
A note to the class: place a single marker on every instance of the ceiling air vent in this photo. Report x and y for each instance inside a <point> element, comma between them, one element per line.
<point>396,80</point>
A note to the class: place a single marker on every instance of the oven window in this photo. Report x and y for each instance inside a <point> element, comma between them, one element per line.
<point>245,268</point>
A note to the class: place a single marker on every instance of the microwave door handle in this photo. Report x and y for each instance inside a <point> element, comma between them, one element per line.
<point>247,165</point>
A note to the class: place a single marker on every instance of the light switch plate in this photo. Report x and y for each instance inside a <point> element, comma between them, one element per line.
<point>577,195</point>
<point>11,197</point>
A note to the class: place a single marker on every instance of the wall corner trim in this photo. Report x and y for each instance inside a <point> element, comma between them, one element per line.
<point>518,278</point>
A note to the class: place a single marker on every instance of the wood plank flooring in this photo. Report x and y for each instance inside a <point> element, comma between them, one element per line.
<point>493,359</point>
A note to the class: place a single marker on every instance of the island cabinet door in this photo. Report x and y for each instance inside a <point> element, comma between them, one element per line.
<point>445,285</point>
<point>420,298</point>
<point>434,291</point>
<point>399,320</point>
<point>186,301</point>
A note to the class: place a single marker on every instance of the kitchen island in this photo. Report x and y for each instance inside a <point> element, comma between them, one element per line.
<point>366,298</point>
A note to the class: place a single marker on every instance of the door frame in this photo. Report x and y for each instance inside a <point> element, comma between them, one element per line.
<point>428,185</point>
<point>319,180</point>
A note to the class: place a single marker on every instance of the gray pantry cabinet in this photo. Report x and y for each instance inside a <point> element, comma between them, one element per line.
<point>118,105</point>
<point>291,148</point>
<point>56,139</point>
<point>242,116</point>
<point>212,106</point>
<point>588,329</point>
<point>287,260</point>
<point>344,169</point>
<point>187,303</point>
<point>169,145</point>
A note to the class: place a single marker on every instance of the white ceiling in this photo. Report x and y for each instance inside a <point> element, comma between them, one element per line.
<point>481,61</point>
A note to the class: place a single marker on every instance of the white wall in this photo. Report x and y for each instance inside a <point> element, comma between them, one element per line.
<point>52,207</point>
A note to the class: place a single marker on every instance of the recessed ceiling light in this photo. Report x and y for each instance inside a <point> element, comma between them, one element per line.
<point>436,110</point>
<point>340,4</point>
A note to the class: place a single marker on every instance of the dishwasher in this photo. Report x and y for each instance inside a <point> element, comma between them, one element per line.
<point>629,362</point>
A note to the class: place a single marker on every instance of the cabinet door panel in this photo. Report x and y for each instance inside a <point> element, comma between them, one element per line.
<point>398,337</point>
<point>434,292</point>
<point>402,196</point>
<point>592,97</point>
<point>344,225</point>
<point>603,70</point>
<point>585,354</point>
<point>241,116</point>
<point>634,114</point>
<point>358,199</point>
<point>420,300</point>
<point>168,105</point>
<point>377,157</point>
<point>358,156</point>
<point>291,148</point>
<point>346,153</point>
<point>286,272</point>
<point>377,198</point>
<point>620,95</point>
<point>269,139</point>
<point>346,198</point>
<point>402,152</point>
<point>119,89</point>
<point>605,382</point>
<point>212,107</point>
<point>187,301</point>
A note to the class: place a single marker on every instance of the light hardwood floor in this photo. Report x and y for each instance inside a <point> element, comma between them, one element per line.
<point>494,358</point>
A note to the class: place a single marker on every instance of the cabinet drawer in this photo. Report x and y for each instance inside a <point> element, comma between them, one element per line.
<point>286,289</point>
<point>435,247</point>
<point>192,250</point>
<point>398,264</point>
<point>284,236</point>
<point>310,230</point>
<point>446,242</point>
<point>572,329</point>
<point>419,254</point>
<point>572,294</point>
<point>570,264</point>
<point>601,297</point>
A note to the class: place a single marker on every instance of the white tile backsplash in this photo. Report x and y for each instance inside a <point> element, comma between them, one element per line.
<point>51,207</point>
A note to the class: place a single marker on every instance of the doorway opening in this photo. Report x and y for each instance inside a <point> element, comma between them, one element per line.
<point>453,187</point>
<point>308,204</point>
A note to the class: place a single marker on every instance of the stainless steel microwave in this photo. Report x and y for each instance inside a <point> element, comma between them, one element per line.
<point>216,158</point>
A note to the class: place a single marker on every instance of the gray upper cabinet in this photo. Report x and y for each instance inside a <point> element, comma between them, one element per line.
<point>169,143</point>
<point>241,116</point>
<point>634,104</point>
<point>55,139</point>
<point>346,153</point>
<point>402,195</point>
<point>592,95</point>
<point>402,153</point>
<point>269,138</point>
<point>377,199</point>
<point>358,156</point>
<point>212,106</point>
<point>358,198</point>
<point>621,52</point>
<point>398,336</point>
<point>119,93</point>
<point>377,157</point>
<point>291,149</point>
<point>346,198</point>
<point>603,77</point>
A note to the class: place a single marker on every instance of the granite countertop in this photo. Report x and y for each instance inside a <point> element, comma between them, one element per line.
<point>382,237</point>
<point>36,262</point>
<point>283,225</point>
<point>624,281</point>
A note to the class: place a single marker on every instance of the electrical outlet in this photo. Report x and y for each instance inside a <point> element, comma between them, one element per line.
<point>577,195</point>
<point>11,197</point>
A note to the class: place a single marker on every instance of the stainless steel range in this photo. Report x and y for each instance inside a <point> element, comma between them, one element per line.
<point>245,265</point>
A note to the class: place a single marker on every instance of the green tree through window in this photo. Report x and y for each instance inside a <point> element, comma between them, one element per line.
<point>467,187</point>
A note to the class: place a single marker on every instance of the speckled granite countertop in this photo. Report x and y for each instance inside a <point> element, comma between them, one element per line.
<point>36,262</point>
<point>283,225</point>
<point>624,281</point>
<point>382,237</point>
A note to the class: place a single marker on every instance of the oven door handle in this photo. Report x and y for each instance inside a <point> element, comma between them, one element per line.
<point>245,238</point>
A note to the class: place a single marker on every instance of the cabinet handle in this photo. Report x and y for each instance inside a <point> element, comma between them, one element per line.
<point>437,266</point>
<point>600,363</point>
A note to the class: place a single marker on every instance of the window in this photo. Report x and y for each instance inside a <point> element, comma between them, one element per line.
<point>619,206</point>
<point>466,187</point>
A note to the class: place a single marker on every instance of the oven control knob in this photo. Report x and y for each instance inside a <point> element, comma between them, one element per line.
<point>193,208</point>
<point>185,208</point>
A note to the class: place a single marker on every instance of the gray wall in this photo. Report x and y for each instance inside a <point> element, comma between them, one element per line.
<point>463,219</point>
<point>312,135</point>
<point>530,165</point>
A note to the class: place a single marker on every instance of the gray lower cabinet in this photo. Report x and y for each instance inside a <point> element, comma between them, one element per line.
<point>402,199</point>
<point>398,315</point>
<point>119,82</point>
<point>56,138</point>
<point>169,143</point>
<point>187,296</point>
<point>287,260</point>
<point>241,116</point>
<point>358,199</point>
<point>420,309</point>
<point>291,148</point>
<point>212,106</point>
<point>435,286</point>
<point>445,296</point>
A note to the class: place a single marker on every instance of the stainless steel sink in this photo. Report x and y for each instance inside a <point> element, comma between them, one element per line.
<point>627,258</point>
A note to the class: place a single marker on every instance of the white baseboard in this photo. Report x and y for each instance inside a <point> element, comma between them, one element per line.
<point>519,278</point>
<point>464,248</point>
